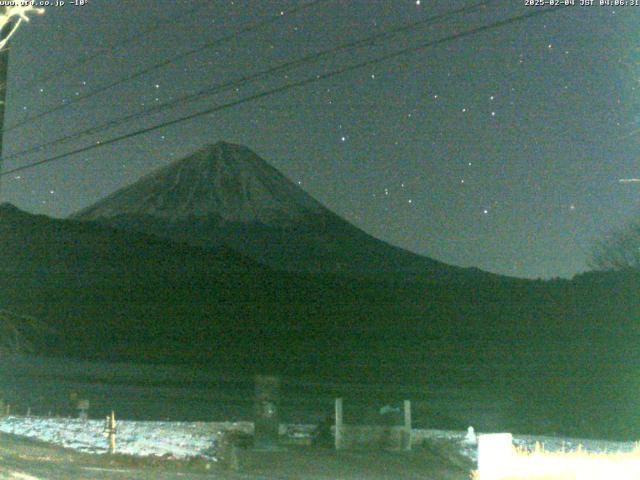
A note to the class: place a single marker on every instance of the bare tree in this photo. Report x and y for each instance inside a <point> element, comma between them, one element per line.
<point>620,250</point>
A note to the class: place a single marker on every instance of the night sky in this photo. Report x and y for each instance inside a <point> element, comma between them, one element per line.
<point>501,150</point>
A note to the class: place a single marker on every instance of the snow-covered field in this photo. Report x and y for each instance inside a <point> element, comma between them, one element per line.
<point>172,439</point>
<point>197,439</point>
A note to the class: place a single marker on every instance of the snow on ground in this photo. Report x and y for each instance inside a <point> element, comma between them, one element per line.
<point>175,439</point>
<point>197,439</point>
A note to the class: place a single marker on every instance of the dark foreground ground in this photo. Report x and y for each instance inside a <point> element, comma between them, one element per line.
<point>24,459</point>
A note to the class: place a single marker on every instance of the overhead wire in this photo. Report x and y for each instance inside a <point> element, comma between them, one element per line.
<point>166,62</point>
<point>125,42</point>
<point>225,86</point>
<point>289,86</point>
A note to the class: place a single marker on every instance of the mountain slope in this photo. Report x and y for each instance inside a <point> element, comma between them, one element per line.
<point>110,293</point>
<point>118,294</point>
<point>225,194</point>
<point>224,181</point>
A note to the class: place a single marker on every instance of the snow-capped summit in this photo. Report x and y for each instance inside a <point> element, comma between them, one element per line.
<point>226,195</point>
<point>226,181</point>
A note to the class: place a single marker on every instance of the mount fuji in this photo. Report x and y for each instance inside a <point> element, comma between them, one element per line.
<point>226,195</point>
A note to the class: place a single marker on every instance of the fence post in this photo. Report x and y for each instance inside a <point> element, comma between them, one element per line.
<point>338,441</point>
<point>110,431</point>
<point>267,400</point>
<point>407,425</point>
<point>83,409</point>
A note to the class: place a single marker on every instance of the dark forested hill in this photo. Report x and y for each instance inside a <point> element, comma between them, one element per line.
<point>558,350</point>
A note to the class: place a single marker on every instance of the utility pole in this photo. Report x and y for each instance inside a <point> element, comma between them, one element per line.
<point>10,19</point>
<point>4,68</point>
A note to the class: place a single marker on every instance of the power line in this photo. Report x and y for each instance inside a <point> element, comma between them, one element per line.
<point>126,42</point>
<point>307,81</point>
<point>164,63</point>
<point>255,76</point>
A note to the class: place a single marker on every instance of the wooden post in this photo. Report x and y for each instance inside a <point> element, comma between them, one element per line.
<point>83,409</point>
<point>110,431</point>
<point>234,461</point>
<point>267,402</point>
<point>338,441</point>
<point>407,424</point>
